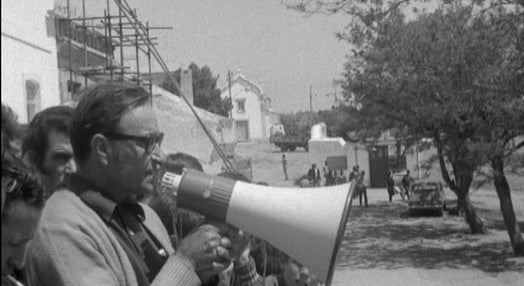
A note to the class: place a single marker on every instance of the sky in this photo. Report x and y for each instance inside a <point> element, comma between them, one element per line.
<point>281,50</point>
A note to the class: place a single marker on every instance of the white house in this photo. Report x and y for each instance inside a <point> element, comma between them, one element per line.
<point>251,108</point>
<point>29,57</point>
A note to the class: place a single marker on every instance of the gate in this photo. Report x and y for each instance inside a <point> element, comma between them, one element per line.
<point>378,166</point>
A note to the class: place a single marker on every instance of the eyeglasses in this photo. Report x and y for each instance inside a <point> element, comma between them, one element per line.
<point>148,141</point>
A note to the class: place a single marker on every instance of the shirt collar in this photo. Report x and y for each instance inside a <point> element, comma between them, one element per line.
<point>99,200</point>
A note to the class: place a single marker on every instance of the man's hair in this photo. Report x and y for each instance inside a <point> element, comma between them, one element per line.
<point>10,127</point>
<point>36,140</point>
<point>20,185</point>
<point>175,163</point>
<point>100,110</point>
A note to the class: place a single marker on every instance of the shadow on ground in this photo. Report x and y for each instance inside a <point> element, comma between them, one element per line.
<point>381,236</point>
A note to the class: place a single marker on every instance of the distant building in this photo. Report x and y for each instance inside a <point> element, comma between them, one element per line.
<point>251,111</point>
<point>29,57</point>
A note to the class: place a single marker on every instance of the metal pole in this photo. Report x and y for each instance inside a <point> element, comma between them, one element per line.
<point>84,30</point>
<point>311,98</point>
<point>109,46</point>
<point>137,60</point>
<point>69,35</point>
<point>149,60</point>
<point>121,40</point>
<point>230,99</point>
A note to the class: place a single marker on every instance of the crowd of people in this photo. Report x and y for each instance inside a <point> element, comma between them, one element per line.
<point>81,206</point>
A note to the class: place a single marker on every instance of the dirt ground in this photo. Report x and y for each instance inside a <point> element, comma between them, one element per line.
<point>383,245</point>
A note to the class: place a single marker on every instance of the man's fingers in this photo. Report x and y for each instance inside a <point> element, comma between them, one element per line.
<point>225,242</point>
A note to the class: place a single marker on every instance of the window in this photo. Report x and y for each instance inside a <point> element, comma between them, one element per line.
<point>241,106</point>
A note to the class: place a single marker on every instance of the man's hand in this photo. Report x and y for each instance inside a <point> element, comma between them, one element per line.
<point>207,251</point>
<point>236,242</point>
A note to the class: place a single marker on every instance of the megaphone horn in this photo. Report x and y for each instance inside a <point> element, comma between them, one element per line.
<point>308,224</point>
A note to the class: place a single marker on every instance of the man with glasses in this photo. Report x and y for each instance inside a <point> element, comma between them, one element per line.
<point>93,231</point>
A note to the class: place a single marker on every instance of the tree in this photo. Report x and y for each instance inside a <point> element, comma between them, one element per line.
<point>205,93</point>
<point>456,76</point>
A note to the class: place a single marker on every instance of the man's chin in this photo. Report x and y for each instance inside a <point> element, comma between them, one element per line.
<point>145,188</point>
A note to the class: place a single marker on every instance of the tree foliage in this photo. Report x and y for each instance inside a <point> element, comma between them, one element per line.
<point>206,95</point>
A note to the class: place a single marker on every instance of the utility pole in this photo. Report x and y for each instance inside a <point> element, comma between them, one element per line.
<point>311,98</point>
<point>230,100</point>
<point>335,91</point>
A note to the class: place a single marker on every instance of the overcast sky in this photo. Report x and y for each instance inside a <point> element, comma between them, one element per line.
<point>282,50</point>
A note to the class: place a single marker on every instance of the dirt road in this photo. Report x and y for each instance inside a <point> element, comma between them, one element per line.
<point>384,246</point>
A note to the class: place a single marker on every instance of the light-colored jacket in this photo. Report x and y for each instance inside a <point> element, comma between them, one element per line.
<point>74,247</point>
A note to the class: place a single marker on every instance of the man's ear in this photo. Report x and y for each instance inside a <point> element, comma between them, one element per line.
<point>31,159</point>
<point>101,149</point>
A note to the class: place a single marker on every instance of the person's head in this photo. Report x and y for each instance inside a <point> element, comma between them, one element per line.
<point>304,183</point>
<point>46,145</point>
<point>10,128</point>
<point>21,212</point>
<point>178,162</point>
<point>174,163</point>
<point>314,166</point>
<point>296,274</point>
<point>116,138</point>
<point>284,156</point>
<point>407,172</point>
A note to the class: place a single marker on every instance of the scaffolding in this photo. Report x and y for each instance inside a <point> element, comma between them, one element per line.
<point>119,34</point>
<point>123,31</point>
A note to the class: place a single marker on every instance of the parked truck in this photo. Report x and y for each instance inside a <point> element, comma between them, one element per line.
<point>289,143</point>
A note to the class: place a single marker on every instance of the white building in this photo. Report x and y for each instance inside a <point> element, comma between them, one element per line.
<point>29,57</point>
<point>251,109</point>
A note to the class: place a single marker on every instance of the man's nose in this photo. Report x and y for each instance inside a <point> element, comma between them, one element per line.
<point>70,166</point>
<point>158,157</point>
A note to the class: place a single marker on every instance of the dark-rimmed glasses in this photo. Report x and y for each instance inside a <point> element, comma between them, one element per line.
<point>148,141</point>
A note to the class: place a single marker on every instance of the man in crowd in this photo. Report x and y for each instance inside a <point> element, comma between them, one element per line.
<point>24,200</point>
<point>93,231</point>
<point>362,188</point>
<point>10,129</point>
<point>46,146</point>
<point>177,221</point>
<point>406,184</point>
<point>284,166</point>
<point>314,175</point>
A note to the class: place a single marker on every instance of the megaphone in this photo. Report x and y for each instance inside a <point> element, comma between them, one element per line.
<point>307,224</point>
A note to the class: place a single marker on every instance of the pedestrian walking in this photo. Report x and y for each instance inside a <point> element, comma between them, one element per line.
<point>390,185</point>
<point>284,166</point>
<point>362,188</point>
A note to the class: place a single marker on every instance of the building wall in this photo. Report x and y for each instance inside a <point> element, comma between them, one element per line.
<point>320,149</point>
<point>28,53</point>
<point>252,106</point>
<point>255,105</point>
<point>182,131</point>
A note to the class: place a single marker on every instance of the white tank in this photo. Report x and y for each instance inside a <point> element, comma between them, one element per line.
<point>318,131</point>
